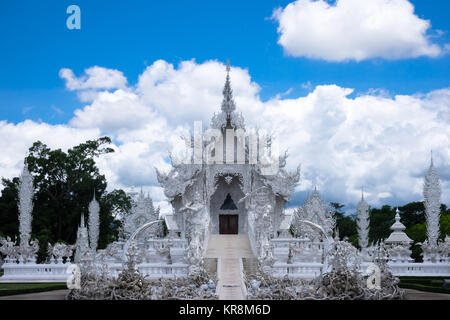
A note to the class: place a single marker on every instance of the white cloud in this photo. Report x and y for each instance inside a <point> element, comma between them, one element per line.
<point>94,78</point>
<point>16,139</point>
<point>194,91</point>
<point>373,140</point>
<point>354,30</point>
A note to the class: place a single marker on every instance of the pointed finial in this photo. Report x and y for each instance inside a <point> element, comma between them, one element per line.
<point>362,193</point>
<point>431,158</point>
<point>397,214</point>
<point>228,105</point>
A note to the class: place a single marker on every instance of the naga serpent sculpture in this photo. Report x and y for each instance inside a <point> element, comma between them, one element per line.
<point>133,236</point>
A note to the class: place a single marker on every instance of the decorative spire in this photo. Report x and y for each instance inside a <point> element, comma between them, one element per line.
<point>82,242</point>
<point>82,221</point>
<point>228,105</point>
<point>228,117</point>
<point>94,223</point>
<point>26,192</point>
<point>431,163</point>
<point>432,202</point>
<point>362,222</point>
<point>398,236</point>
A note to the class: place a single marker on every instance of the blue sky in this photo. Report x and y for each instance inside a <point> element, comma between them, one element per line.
<point>270,77</point>
<point>128,35</point>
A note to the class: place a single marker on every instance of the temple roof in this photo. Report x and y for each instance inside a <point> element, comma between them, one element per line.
<point>228,117</point>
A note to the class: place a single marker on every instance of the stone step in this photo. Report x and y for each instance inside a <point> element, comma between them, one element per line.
<point>229,250</point>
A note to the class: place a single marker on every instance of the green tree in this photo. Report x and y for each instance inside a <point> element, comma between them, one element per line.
<point>9,222</point>
<point>346,224</point>
<point>380,222</point>
<point>113,205</point>
<point>65,183</point>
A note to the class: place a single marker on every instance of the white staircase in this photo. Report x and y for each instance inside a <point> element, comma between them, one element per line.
<point>229,249</point>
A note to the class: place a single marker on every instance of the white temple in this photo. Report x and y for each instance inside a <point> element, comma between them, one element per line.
<point>233,186</point>
<point>223,190</point>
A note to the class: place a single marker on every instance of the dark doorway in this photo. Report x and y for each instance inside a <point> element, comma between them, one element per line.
<point>228,203</point>
<point>228,223</point>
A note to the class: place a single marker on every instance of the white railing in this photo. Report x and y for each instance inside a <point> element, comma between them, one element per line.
<point>51,272</point>
<point>311,270</point>
<point>32,272</point>
<point>297,270</point>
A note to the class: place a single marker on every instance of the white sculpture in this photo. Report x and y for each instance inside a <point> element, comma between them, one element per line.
<point>228,114</point>
<point>59,251</point>
<point>28,251</point>
<point>432,203</point>
<point>94,223</point>
<point>363,223</point>
<point>197,224</point>
<point>398,236</point>
<point>26,192</point>
<point>317,211</point>
<point>9,249</point>
<point>82,249</point>
<point>142,211</point>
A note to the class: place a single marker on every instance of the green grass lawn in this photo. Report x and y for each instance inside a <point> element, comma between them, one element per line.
<point>7,289</point>
<point>429,284</point>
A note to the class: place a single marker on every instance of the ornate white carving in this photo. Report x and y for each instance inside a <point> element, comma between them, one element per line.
<point>398,236</point>
<point>26,192</point>
<point>9,249</point>
<point>82,249</point>
<point>142,211</point>
<point>363,223</point>
<point>228,179</point>
<point>94,223</point>
<point>228,116</point>
<point>28,251</point>
<point>316,211</point>
<point>432,203</point>
<point>197,228</point>
<point>60,251</point>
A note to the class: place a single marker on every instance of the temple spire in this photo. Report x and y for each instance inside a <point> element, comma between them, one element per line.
<point>432,202</point>
<point>362,222</point>
<point>228,117</point>
<point>431,163</point>
<point>82,221</point>
<point>228,105</point>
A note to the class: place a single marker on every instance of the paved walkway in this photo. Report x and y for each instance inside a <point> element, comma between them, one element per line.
<point>229,249</point>
<point>47,295</point>
<point>411,294</point>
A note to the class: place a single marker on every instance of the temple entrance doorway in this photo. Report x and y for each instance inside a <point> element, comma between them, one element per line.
<point>228,224</point>
<point>228,215</point>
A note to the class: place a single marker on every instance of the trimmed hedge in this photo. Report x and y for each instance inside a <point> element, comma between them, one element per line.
<point>423,288</point>
<point>428,284</point>
<point>29,288</point>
